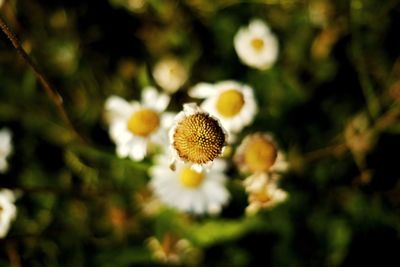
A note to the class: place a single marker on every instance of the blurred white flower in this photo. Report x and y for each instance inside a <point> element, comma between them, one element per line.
<point>232,102</point>
<point>8,211</point>
<point>170,74</point>
<point>173,250</point>
<point>5,148</point>
<point>134,126</point>
<point>196,138</point>
<point>259,152</point>
<point>263,192</point>
<point>189,190</point>
<point>256,45</point>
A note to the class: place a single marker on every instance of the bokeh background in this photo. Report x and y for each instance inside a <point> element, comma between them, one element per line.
<point>331,101</point>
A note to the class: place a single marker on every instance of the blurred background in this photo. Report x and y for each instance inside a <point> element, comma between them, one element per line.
<point>331,100</point>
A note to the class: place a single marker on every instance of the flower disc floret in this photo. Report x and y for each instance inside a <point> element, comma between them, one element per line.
<point>260,154</point>
<point>199,138</point>
<point>230,103</point>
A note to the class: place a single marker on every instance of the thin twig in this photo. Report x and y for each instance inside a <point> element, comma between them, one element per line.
<point>382,122</point>
<point>13,255</point>
<point>51,92</point>
<point>390,117</point>
<point>335,150</point>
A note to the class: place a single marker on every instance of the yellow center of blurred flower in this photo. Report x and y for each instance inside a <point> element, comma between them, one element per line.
<point>174,69</point>
<point>143,122</point>
<point>257,44</point>
<point>198,138</point>
<point>260,154</point>
<point>230,103</point>
<point>190,178</point>
<point>261,197</point>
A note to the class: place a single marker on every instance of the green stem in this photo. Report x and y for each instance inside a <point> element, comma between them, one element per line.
<point>370,96</point>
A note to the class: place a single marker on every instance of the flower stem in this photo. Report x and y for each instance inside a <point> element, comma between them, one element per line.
<point>51,92</point>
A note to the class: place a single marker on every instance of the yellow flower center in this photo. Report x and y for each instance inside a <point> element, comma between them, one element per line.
<point>198,138</point>
<point>257,44</point>
<point>260,154</point>
<point>190,178</point>
<point>262,197</point>
<point>143,122</point>
<point>230,103</point>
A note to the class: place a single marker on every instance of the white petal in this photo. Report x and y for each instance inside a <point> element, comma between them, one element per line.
<point>252,208</point>
<point>236,124</point>
<point>156,171</point>
<point>138,150</point>
<point>228,85</point>
<point>163,159</point>
<point>118,108</point>
<point>197,167</point>
<point>209,105</point>
<point>7,195</point>
<point>216,192</point>
<point>202,90</point>
<point>190,109</point>
<point>159,137</point>
<point>167,119</point>
<point>199,202</point>
<point>3,165</point>
<point>281,165</point>
<point>185,200</point>
<point>5,138</point>
<point>151,98</point>
<point>280,195</point>
<point>8,211</point>
<point>219,165</point>
<point>214,208</point>
<point>258,27</point>
<point>217,177</point>
<point>162,102</point>
<point>119,132</point>
<point>5,146</point>
<point>232,137</point>
<point>122,150</point>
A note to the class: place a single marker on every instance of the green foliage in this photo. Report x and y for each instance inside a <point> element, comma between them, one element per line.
<point>78,202</point>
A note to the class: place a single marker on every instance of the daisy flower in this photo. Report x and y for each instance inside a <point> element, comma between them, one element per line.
<point>189,190</point>
<point>170,74</point>
<point>196,137</point>
<point>8,211</point>
<point>5,148</point>
<point>256,45</point>
<point>232,102</point>
<point>134,126</point>
<point>259,152</point>
<point>263,192</point>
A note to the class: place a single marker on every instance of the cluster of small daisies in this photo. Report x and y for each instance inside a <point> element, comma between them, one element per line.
<point>8,211</point>
<point>189,171</point>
